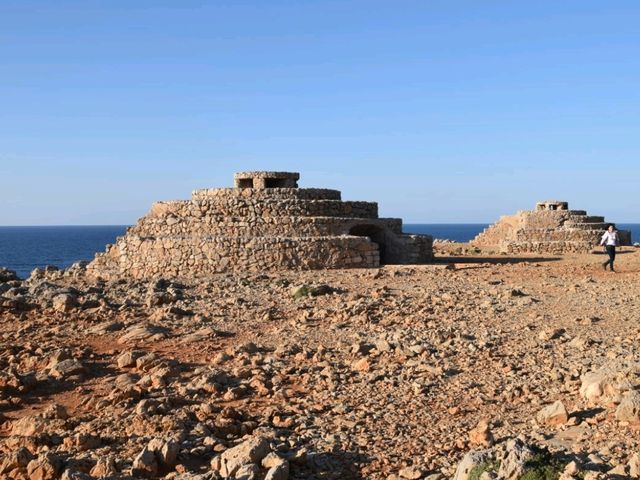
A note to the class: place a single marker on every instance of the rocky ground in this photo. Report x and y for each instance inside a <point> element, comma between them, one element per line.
<point>478,367</point>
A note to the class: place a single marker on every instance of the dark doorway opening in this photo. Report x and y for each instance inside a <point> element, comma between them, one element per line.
<point>375,234</point>
<point>245,183</point>
<point>275,182</point>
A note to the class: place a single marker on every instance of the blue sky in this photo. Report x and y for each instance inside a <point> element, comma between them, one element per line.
<point>442,111</point>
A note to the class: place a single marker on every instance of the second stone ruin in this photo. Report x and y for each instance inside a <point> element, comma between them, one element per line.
<point>550,228</point>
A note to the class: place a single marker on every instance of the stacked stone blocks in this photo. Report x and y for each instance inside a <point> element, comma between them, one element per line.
<point>550,228</point>
<point>259,227</point>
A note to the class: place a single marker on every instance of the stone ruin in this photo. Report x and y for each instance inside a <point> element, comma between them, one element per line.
<point>264,223</point>
<point>550,228</point>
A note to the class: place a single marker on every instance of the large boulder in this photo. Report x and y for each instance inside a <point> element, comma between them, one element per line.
<point>7,275</point>
<point>552,415</point>
<point>17,459</point>
<point>46,466</point>
<point>251,451</point>
<point>629,408</point>
<point>605,385</point>
<point>513,463</point>
<point>64,302</point>
<point>145,464</point>
<point>471,460</point>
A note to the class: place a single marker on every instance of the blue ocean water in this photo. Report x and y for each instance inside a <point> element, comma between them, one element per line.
<point>458,232</point>
<point>24,248</point>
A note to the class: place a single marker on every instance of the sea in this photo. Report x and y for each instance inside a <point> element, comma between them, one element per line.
<point>24,248</point>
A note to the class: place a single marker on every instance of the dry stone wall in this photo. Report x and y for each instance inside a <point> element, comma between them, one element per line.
<point>550,228</point>
<point>259,229</point>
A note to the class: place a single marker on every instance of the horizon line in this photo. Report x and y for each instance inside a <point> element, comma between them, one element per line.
<point>132,224</point>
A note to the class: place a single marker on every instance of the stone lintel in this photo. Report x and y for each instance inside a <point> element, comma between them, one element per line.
<point>552,205</point>
<point>262,179</point>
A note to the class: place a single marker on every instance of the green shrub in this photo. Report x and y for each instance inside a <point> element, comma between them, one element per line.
<point>309,291</point>
<point>543,466</point>
<point>478,470</point>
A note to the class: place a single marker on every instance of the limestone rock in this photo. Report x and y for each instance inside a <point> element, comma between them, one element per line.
<point>67,368</point>
<point>552,415</point>
<point>128,359</point>
<point>634,466</point>
<point>16,459</point>
<point>28,426</point>
<point>65,302</point>
<point>166,451</point>
<point>145,464</point>
<point>46,466</point>
<point>481,435</point>
<point>512,464</point>
<point>55,412</point>
<point>278,472</point>
<point>83,441</point>
<point>411,473</point>
<point>471,460</point>
<point>104,467</point>
<point>604,385</point>
<point>75,475</point>
<point>629,408</point>
<point>247,472</point>
<point>144,332</point>
<point>251,451</point>
<point>7,275</point>
<point>272,460</point>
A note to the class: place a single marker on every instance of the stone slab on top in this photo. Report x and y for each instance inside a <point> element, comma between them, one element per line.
<point>263,179</point>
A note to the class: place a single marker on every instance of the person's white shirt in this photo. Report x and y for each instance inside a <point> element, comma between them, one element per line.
<point>609,238</point>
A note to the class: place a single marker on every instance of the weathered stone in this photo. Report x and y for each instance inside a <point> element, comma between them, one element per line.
<point>634,466</point>
<point>471,460</point>
<point>104,467</point>
<point>65,302</point>
<point>67,368</point>
<point>411,473</point>
<point>247,472</point>
<point>604,385</point>
<point>28,426</point>
<point>629,408</point>
<point>166,451</point>
<point>145,464</point>
<point>128,359</point>
<point>18,458</point>
<point>278,472</point>
<point>46,466</point>
<point>251,451</point>
<point>7,275</point>
<point>272,460</point>
<point>481,435</point>
<point>55,412</point>
<point>513,463</point>
<point>550,228</point>
<point>552,415</point>
<point>258,228</point>
<point>83,441</point>
<point>75,475</point>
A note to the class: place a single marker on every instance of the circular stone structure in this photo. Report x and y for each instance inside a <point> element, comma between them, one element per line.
<point>264,223</point>
<point>550,228</point>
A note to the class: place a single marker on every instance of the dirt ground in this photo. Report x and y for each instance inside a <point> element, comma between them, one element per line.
<point>380,373</point>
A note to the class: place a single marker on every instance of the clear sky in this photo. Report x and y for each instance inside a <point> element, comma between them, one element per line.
<point>442,111</point>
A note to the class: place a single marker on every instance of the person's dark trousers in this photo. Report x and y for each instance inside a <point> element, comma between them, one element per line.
<point>611,251</point>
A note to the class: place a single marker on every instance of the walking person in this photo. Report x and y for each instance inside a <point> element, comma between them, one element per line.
<point>610,240</point>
